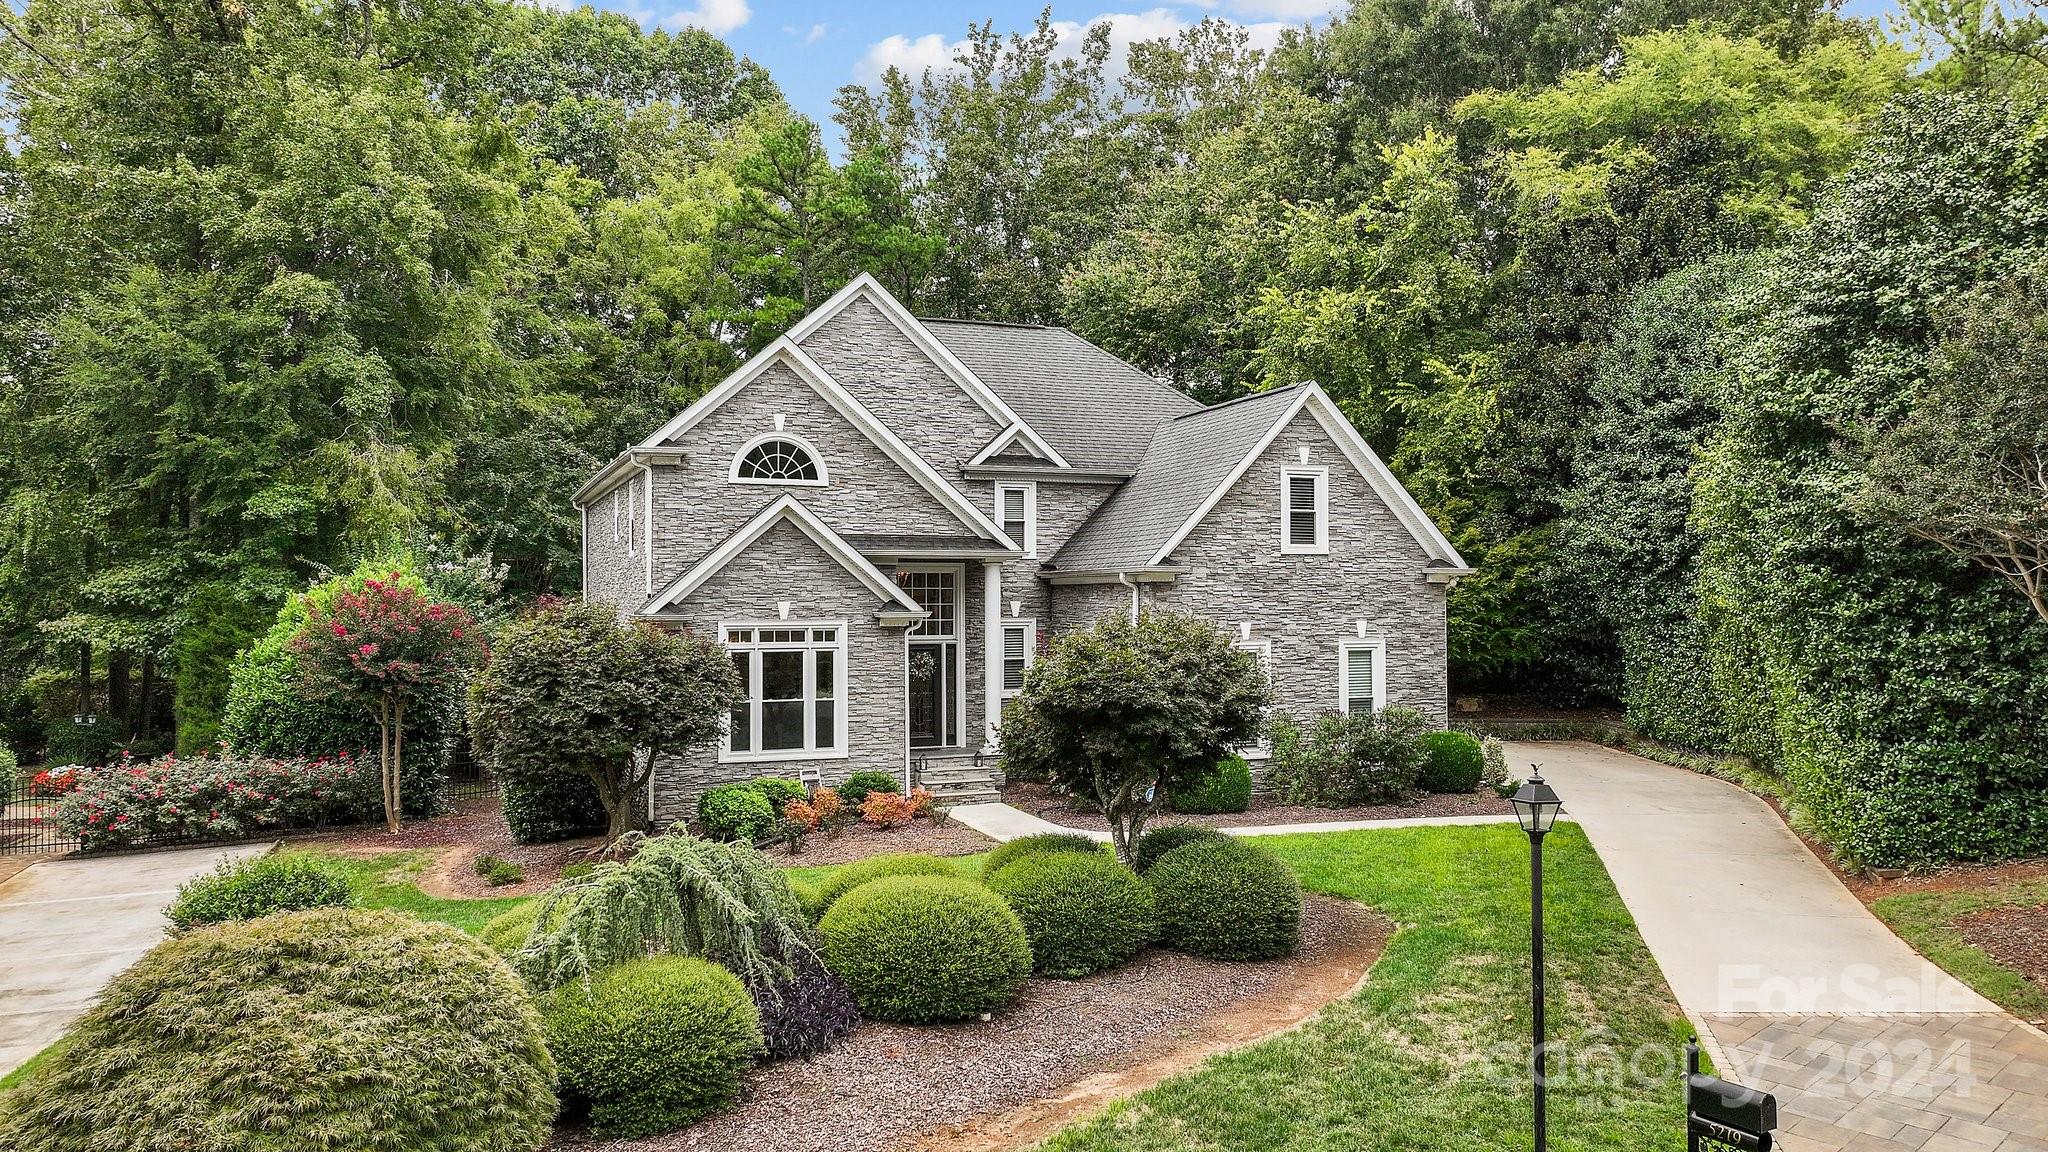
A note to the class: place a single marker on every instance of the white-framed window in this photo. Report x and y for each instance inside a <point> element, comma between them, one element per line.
<point>1361,675</point>
<point>778,458</point>
<point>1263,650</point>
<point>1017,512</point>
<point>1304,511</point>
<point>793,680</point>
<point>1020,652</point>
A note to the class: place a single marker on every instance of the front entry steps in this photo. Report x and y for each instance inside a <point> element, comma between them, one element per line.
<point>953,777</point>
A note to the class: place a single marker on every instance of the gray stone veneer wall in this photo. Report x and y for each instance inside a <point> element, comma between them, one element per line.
<point>1305,605</point>
<point>614,571</point>
<point>786,565</point>
<point>871,358</point>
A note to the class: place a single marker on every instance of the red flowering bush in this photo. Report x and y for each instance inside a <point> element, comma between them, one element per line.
<point>885,809</point>
<point>385,647</point>
<point>221,797</point>
<point>55,781</point>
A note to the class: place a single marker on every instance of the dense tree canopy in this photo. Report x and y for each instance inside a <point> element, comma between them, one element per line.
<point>1640,299</point>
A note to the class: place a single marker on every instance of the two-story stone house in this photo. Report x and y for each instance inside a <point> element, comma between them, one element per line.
<point>886,519</point>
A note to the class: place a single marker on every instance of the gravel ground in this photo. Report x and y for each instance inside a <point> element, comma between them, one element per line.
<point>1041,800</point>
<point>859,841</point>
<point>2015,937</point>
<point>891,1087</point>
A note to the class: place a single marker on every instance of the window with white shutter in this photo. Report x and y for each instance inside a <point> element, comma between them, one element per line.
<point>1263,650</point>
<point>1361,675</point>
<point>1304,511</point>
<point>1020,649</point>
<point>1017,510</point>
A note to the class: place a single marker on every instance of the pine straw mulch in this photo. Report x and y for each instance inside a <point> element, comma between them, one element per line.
<point>1064,1050</point>
<point>2016,937</point>
<point>1048,803</point>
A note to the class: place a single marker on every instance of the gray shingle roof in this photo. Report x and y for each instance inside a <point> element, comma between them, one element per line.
<point>1187,458</point>
<point>1096,410</point>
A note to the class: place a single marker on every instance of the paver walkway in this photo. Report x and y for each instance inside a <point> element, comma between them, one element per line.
<point>68,926</point>
<point>1797,987</point>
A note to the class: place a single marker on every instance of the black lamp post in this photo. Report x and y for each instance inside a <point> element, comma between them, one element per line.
<point>1536,805</point>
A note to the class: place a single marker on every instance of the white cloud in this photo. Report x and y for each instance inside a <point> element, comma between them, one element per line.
<point>816,34</point>
<point>931,51</point>
<point>714,16</point>
<point>934,51</point>
<point>1294,11</point>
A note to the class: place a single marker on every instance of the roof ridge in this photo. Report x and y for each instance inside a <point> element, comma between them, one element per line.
<point>1240,400</point>
<point>988,323</point>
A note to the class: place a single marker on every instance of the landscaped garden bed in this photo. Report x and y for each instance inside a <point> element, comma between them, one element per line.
<point>1063,1049</point>
<point>1048,803</point>
<point>1987,925</point>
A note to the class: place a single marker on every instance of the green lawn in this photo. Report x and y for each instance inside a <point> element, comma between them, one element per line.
<point>1426,1056</point>
<point>385,882</point>
<point>1922,919</point>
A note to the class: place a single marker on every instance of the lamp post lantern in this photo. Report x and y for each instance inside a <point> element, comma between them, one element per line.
<point>1536,806</point>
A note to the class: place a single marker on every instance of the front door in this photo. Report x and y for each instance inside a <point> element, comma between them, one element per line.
<point>931,694</point>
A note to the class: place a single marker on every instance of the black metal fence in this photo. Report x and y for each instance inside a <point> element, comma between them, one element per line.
<point>29,824</point>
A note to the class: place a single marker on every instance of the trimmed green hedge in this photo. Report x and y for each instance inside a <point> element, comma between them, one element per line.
<point>1011,851</point>
<point>330,1030</point>
<point>779,790</point>
<point>1083,911</point>
<point>558,806</point>
<point>1227,788</point>
<point>1226,900</point>
<point>736,812</point>
<point>851,876</point>
<point>654,1044</point>
<point>247,889</point>
<point>1453,762</point>
<point>858,785</point>
<point>1159,841</point>
<point>922,949</point>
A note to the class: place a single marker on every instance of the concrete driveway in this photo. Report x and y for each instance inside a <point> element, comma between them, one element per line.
<point>69,926</point>
<point>1795,986</point>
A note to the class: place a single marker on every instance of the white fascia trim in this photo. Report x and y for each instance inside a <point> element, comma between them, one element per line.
<point>784,351</point>
<point>1015,432</point>
<point>1361,455</point>
<point>930,345</point>
<point>791,509</point>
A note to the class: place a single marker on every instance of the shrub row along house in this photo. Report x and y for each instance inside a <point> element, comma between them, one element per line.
<point>886,519</point>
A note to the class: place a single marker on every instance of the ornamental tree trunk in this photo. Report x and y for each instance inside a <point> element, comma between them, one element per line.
<point>390,753</point>
<point>1126,812</point>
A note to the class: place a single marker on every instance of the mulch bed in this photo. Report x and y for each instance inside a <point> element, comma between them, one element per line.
<point>859,841</point>
<point>1043,801</point>
<point>457,839</point>
<point>2015,937</point>
<point>1011,1080</point>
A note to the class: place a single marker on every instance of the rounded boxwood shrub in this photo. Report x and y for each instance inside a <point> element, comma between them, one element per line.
<point>921,949</point>
<point>1453,762</point>
<point>779,790</point>
<point>860,872</point>
<point>652,1045</point>
<point>330,1030</point>
<point>247,889</point>
<point>1226,900</point>
<point>1227,788</point>
<point>1083,911</point>
<point>554,806</point>
<point>735,812</point>
<point>1011,851</point>
<point>1159,841</point>
<point>861,783</point>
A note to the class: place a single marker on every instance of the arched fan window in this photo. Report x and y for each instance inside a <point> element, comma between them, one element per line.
<point>778,460</point>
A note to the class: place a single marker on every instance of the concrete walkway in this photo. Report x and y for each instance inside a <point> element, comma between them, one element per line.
<point>69,926</point>
<point>1001,822</point>
<point>1795,986</point>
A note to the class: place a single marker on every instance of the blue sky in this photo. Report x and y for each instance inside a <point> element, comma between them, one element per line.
<point>813,46</point>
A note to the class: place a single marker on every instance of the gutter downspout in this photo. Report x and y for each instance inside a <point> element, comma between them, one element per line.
<point>1124,578</point>
<point>647,470</point>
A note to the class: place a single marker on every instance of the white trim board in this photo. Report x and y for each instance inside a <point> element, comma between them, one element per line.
<point>791,509</point>
<point>1361,455</point>
<point>865,285</point>
<point>785,352</point>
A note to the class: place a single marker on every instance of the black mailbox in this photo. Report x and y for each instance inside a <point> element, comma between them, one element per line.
<point>1722,1114</point>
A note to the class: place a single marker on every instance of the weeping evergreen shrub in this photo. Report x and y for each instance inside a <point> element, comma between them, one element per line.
<point>327,1030</point>
<point>678,895</point>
